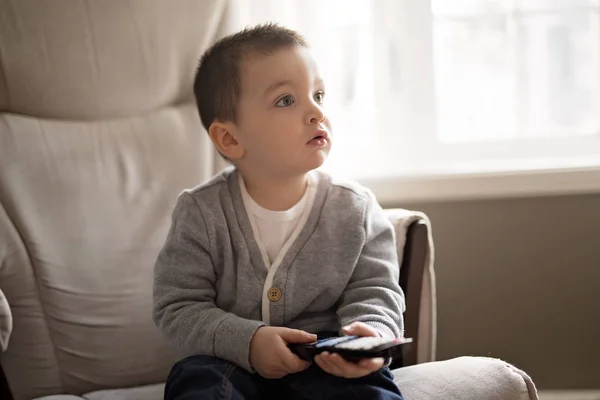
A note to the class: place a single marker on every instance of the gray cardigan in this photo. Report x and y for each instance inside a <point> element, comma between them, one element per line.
<point>210,280</point>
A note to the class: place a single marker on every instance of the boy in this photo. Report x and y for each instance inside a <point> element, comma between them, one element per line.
<point>272,251</point>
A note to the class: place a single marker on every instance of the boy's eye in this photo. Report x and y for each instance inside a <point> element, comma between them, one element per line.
<point>319,97</point>
<point>285,101</point>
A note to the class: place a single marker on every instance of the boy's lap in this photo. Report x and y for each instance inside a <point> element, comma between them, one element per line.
<point>312,383</point>
<point>212,377</point>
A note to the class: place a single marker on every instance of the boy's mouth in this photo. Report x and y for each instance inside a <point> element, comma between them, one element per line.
<point>321,137</point>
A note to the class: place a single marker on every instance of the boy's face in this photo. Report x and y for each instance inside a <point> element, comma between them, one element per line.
<point>281,123</point>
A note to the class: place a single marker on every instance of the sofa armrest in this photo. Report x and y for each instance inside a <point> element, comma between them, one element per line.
<point>412,273</point>
<point>465,378</point>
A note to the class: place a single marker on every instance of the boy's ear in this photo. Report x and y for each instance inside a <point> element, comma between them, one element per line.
<point>222,135</point>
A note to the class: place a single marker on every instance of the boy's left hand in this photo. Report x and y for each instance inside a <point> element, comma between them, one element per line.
<point>338,366</point>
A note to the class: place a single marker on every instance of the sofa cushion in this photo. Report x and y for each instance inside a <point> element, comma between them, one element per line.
<point>149,392</point>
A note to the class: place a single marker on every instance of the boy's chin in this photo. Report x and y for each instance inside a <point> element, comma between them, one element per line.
<point>317,162</point>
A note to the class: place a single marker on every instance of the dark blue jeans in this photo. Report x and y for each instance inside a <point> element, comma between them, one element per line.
<point>203,377</point>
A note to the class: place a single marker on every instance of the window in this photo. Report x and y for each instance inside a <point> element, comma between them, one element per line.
<point>518,69</point>
<point>454,87</point>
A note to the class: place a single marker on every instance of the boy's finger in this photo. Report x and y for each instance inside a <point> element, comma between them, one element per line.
<point>327,364</point>
<point>372,363</point>
<point>320,361</point>
<point>360,329</point>
<point>297,336</point>
<point>293,363</point>
<point>348,369</point>
<point>300,366</point>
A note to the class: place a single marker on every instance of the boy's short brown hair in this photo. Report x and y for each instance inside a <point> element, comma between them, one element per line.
<point>217,85</point>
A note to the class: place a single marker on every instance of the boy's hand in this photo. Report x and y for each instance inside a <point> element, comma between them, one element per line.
<point>269,354</point>
<point>338,366</point>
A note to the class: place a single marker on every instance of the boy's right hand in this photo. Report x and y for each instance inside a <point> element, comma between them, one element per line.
<point>270,355</point>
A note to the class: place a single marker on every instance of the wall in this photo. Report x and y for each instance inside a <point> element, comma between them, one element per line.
<point>519,279</point>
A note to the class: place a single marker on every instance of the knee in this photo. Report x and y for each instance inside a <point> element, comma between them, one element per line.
<point>199,362</point>
<point>210,369</point>
<point>198,377</point>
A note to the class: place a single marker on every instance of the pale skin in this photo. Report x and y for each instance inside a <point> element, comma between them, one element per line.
<point>272,143</point>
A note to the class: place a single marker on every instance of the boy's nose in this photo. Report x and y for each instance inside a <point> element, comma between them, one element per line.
<point>317,120</point>
<point>317,115</point>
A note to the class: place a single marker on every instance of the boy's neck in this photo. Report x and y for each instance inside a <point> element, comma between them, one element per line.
<point>275,194</point>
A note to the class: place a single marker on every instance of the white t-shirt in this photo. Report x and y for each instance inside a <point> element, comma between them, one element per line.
<point>274,230</point>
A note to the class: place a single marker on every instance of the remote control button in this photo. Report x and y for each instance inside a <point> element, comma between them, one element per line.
<point>274,294</point>
<point>333,341</point>
<point>363,343</point>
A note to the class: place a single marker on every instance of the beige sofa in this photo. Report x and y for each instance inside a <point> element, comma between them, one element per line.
<point>98,134</point>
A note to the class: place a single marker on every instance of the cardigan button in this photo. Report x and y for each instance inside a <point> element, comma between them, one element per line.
<point>274,294</point>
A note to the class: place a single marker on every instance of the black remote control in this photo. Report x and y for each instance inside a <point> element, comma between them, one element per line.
<point>352,348</point>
